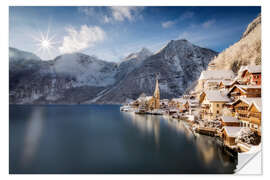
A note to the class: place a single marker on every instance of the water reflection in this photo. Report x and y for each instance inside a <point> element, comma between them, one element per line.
<point>180,127</point>
<point>146,124</point>
<point>207,149</point>
<point>47,139</point>
<point>31,139</point>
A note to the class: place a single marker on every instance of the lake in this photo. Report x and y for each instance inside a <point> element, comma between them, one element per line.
<point>95,139</point>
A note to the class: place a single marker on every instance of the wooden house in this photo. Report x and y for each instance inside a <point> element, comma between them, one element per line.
<point>230,133</point>
<point>226,85</point>
<point>240,110</point>
<point>248,91</point>
<point>251,75</point>
<point>254,114</point>
<point>229,121</point>
<point>212,103</point>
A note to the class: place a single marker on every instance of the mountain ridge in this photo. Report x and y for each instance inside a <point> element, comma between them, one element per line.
<point>80,78</point>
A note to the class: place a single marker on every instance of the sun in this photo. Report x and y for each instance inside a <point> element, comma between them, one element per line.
<point>45,43</point>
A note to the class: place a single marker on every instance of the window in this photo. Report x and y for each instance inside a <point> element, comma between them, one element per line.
<point>217,105</point>
<point>217,111</point>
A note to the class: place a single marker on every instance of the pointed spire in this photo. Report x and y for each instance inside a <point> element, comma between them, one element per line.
<point>156,93</point>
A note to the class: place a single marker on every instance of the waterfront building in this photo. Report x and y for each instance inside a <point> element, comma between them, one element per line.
<point>212,103</point>
<point>191,105</point>
<point>254,114</point>
<point>178,103</point>
<point>148,102</point>
<point>230,133</point>
<point>230,121</point>
<point>154,102</point>
<point>242,112</point>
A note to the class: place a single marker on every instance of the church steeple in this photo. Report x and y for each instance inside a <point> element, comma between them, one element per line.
<point>156,96</point>
<point>156,93</point>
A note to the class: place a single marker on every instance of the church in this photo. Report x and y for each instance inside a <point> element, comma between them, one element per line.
<point>154,102</point>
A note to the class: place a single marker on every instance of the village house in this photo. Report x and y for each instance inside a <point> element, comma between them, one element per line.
<point>242,112</point>
<point>226,85</point>
<point>230,133</point>
<point>164,103</point>
<point>211,78</point>
<point>191,105</point>
<point>255,109</point>
<point>212,103</point>
<point>250,75</point>
<point>229,121</point>
<point>148,103</point>
<point>178,104</point>
<point>248,91</point>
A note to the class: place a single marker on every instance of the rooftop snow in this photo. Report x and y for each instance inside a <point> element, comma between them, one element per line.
<point>248,100</point>
<point>229,119</point>
<point>215,95</point>
<point>217,74</point>
<point>232,131</point>
<point>251,69</point>
<point>258,103</point>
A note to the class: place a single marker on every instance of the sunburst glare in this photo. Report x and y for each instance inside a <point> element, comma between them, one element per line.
<point>45,43</point>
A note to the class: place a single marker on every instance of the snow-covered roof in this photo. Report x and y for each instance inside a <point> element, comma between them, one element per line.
<point>146,98</point>
<point>257,103</point>
<point>180,100</point>
<point>217,74</point>
<point>249,86</point>
<point>212,81</point>
<point>232,131</point>
<point>215,95</point>
<point>193,101</point>
<point>251,69</point>
<point>227,83</point>
<point>245,87</point>
<point>248,100</point>
<point>229,119</point>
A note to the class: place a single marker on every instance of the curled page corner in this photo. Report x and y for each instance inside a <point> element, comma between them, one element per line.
<point>249,163</point>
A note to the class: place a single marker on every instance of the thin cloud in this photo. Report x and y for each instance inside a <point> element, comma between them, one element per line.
<point>167,24</point>
<point>208,23</point>
<point>86,37</point>
<point>112,14</point>
<point>184,16</point>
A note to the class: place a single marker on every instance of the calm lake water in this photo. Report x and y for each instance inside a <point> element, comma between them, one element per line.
<point>101,139</point>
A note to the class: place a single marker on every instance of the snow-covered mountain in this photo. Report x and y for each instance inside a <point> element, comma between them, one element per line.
<point>131,62</point>
<point>16,55</point>
<point>79,78</point>
<point>69,78</point>
<point>87,70</point>
<point>178,65</point>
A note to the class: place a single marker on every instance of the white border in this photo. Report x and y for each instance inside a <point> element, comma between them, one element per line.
<point>4,74</point>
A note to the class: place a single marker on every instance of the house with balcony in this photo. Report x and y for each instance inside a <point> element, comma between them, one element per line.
<point>227,85</point>
<point>241,109</point>
<point>249,91</point>
<point>254,114</point>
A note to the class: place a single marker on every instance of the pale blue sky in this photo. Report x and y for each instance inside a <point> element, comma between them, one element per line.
<point>111,33</point>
